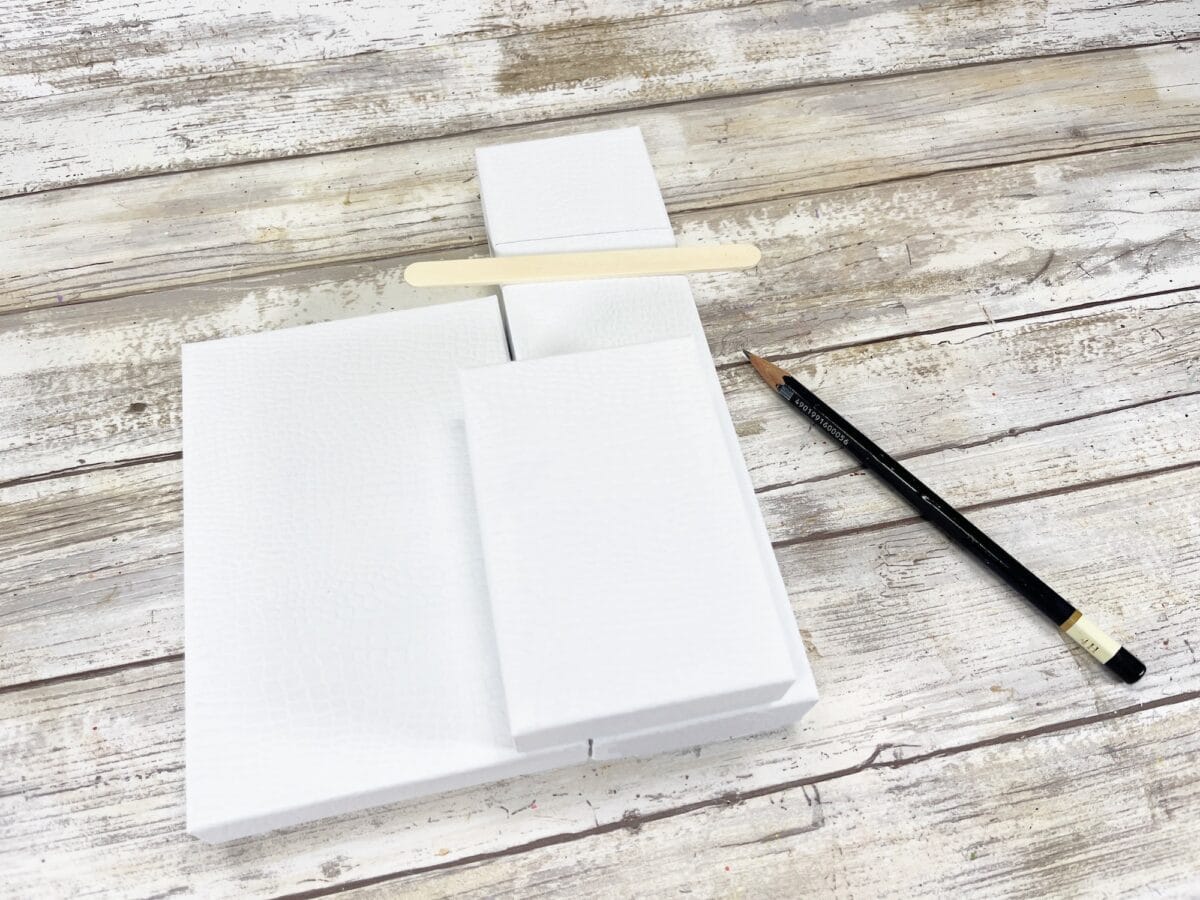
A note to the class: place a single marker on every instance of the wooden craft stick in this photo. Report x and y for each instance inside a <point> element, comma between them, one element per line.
<point>580,266</point>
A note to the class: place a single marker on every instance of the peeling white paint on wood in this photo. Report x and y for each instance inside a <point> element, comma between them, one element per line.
<point>1021,328</point>
<point>104,42</point>
<point>968,825</point>
<point>113,239</point>
<point>120,128</point>
<point>836,270</point>
<point>913,672</point>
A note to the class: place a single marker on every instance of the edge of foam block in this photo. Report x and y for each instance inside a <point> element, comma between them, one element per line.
<point>643,224</point>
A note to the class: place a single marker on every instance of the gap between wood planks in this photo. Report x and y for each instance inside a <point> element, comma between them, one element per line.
<point>816,537</point>
<point>106,466</point>
<point>110,465</point>
<point>977,323</point>
<point>967,445</point>
<point>88,674</point>
<point>627,108</point>
<point>1003,501</point>
<point>477,248</point>
<point>634,821</point>
<point>461,38</point>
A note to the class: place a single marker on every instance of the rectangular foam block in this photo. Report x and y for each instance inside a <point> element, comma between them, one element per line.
<point>554,207</point>
<point>339,649</point>
<point>626,587</point>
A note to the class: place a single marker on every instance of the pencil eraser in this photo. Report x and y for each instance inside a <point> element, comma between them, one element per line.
<point>1127,666</point>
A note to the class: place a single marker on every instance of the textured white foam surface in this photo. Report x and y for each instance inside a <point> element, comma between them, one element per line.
<point>340,651</point>
<point>626,587</point>
<point>602,179</point>
<point>574,317</point>
<point>339,648</point>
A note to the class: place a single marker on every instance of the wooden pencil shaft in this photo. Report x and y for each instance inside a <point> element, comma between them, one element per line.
<point>927,503</point>
<point>582,266</point>
<point>953,524</point>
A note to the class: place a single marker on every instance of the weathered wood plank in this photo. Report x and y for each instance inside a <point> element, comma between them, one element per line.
<point>1107,809</point>
<point>272,110</point>
<point>93,575</point>
<point>149,234</point>
<point>1143,437</point>
<point>842,268</point>
<point>48,49</point>
<point>978,383</point>
<point>92,570</point>
<point>902,638</point>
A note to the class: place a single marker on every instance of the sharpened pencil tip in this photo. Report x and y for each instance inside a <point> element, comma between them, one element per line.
<point>771,373</point>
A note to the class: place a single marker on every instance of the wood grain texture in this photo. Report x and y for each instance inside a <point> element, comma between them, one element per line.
<point>1113,803</point>
<point>975,385</point>
<point>271,110</point>
<point>979,222</point>
<point>155,233</point>
<point>94,575</point>
<point>99,382</point>
<point>110,42</point>
<point>98,780</point>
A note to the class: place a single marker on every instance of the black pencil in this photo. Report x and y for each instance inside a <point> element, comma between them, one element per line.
<point>953,524</point>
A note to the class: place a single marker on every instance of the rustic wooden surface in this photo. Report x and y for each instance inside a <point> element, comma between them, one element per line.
<point>981,235</point>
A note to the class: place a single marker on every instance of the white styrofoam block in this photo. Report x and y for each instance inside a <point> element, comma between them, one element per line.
<point>573,317</point>
<point>626,587</point>
<point>602,180</point>
<point>339,652</point>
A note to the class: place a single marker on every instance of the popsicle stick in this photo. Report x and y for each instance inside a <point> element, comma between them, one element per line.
<point>580,266</point>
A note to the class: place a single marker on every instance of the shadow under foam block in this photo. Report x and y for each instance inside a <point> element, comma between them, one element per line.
<point>339,649</point>
<point>626,587</point>
<point>597,191</point>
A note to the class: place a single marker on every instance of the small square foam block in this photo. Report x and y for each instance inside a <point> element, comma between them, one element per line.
<point>339,653</point>
<point>626,586</point>
<point>603,178</point>
<point>554,208</point>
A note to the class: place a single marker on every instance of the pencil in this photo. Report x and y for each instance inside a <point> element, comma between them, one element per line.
<point>953,524</point>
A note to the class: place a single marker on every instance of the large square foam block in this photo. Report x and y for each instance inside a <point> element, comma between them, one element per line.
<point>339,649</point>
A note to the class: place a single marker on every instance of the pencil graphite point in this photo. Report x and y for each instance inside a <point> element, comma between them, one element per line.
<point>771,373</point>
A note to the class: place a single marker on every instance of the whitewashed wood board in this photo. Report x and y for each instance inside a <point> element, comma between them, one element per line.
<point>1145,436</point>
<point>149,234</point>
<point>901,632</point>
<point>958,388</point>
<point>1108,809</point>
<point>92,572</point>
<point>106,42</point>
<point>99,382</point>
<point>94,576</point>
<point>1019,327</point>
<point>234,114</point>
